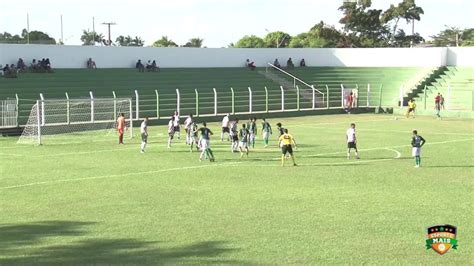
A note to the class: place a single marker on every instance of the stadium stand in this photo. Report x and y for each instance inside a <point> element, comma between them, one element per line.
<point>78,82</point>
<point>461,82</point>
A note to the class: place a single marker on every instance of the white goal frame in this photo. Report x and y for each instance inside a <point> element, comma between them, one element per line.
<point>40,120</point>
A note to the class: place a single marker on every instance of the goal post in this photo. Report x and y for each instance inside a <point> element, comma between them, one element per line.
<point>75,120</point>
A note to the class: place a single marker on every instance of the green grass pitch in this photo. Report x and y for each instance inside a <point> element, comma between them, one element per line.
<point>96,202</point>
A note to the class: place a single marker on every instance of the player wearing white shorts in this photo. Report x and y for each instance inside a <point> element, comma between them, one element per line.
<point>417,142</point>
<point>244,137</point>
<point>144,134</point>
<point>170,131</point>
<point>187,127</point>
<point>205,142</point>
<point>351,141</point>
<point>225,126</point>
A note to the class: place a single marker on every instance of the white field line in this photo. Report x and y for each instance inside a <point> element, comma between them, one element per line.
<point>236,163</point>
<point>335,123</point>
<point>119,175</point>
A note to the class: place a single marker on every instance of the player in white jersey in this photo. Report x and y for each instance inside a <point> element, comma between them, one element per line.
<point>234,135</point>
<point>225,127</point>
<point>188,128</point>
<point>144,134</point>
<point>170,131</point>
<point>176,127</point>
<point>351,141</point>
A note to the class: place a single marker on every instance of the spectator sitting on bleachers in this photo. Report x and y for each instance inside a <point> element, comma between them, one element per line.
<point>150,67</point>
<point>250,65</point>
<point>276,63</point>
<point>140,66</point>
<point>91,64</point>
<point>21,65</point>
<point>302,63</point>
<point>9,71</point>
<point>34,65</point>
<point>154,66</point>
<point>289,64</point>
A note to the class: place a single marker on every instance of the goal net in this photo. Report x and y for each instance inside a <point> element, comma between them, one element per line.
<point>75,120</point>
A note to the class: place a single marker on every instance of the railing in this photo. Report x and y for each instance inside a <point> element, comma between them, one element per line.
<point>9,113</point>
<point>312,87</point>
<point>161,104</point>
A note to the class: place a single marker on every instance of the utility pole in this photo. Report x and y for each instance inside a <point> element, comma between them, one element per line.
<point>109,24</point>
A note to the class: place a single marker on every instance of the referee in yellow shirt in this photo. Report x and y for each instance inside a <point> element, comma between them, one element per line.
<point>286,142</point>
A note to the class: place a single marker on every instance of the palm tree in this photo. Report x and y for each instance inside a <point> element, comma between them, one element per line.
<point>164,42</point>
<point>194,42</point>
<point>91,37</point>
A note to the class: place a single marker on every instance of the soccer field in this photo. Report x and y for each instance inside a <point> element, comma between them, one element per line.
<point>95,202</point>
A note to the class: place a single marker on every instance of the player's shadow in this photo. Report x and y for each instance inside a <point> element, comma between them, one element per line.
<point>25,244</point>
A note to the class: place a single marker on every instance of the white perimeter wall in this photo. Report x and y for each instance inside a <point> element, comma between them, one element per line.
<point>125,57</point>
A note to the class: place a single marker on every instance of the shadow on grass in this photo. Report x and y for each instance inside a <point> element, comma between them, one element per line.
<point>24,244</point>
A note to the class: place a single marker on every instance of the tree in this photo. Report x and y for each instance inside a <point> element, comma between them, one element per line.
<point>319,36</point>
<point>251,41</point>
<point>454,36</point>
<point>402,40</point>
<point>363,26</point>
<point>407,10</point>
<point>164,42</point>
<point>194,42</point>
<point>129,41</point>
<point>277,39</point>
<point>91,37</point>
<point>35,37</point>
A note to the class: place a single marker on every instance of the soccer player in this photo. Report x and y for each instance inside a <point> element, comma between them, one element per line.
<point>121,126</point>
<point>252,128</point>
<point>244,137</point>
<point>170,131</point>
<point>225,126</point>
<point>286,142</point>
<point>417,142</point>
<point>234,134</point>
<point>349,101</point>
<point>266,131</point>
<point>193,137</point>
<point>187,127</point>
<point>438,105</point>
<point>351,141</point>
<point>144,134</point>
<point>411,107</point>
<point>205,142</point>
<point>280,129</point>
<point>176,127</point>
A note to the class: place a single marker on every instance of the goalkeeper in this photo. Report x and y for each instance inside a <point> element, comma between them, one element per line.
<point>121,127</point>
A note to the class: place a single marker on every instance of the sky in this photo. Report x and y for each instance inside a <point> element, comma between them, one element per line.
<point>218,22</point>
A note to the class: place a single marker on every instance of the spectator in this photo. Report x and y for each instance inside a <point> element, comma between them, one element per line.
<point>250,65</point>
<point>140,66</point>
<point>302,63</point>
<point>276,63</point>
<point>154,66</point>
<point>91,64</point>
<point>47,64</point>
<point>289,64</point>
<point>20,65</point>
<point>9,71</point>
